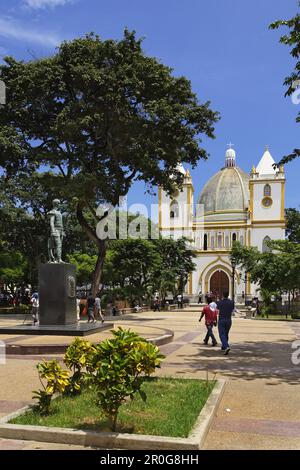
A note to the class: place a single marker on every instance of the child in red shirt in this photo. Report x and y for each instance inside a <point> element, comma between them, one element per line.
<point>210,312</point>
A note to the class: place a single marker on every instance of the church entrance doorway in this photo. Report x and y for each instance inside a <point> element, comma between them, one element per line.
<point>219,283</point>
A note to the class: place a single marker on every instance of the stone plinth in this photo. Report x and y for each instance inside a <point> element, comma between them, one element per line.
<point>57,294</point>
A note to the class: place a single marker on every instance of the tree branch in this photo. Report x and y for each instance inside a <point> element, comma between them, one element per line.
<point>84,224</point>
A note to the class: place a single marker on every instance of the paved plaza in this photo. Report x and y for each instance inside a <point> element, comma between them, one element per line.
<point>260,407</point>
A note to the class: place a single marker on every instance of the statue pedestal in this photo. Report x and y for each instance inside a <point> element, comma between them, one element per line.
<point>57,311</point>
<point>57,294</point>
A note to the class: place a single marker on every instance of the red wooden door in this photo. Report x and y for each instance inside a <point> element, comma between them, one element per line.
<point>219,283</point>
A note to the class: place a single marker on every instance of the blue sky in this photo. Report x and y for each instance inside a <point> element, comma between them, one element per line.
<point>223,46</point>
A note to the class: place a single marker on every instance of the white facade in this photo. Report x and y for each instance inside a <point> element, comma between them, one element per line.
<point>232,206</point>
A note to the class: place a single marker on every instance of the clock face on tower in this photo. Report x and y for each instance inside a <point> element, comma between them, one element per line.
<point>267,201</point>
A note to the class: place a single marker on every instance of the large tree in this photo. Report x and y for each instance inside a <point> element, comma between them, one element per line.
<point>292,217</point>
<point>276,271</point>
<point>100,115</point>
<point>176,263</point>
<point>292,82</point>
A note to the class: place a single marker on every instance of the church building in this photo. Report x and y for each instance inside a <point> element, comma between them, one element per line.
<point>232,205</point>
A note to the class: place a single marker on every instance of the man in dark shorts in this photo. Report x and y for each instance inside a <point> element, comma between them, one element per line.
<point>91,308</point>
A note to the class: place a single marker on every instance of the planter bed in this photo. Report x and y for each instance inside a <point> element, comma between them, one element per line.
<point>177,415</point>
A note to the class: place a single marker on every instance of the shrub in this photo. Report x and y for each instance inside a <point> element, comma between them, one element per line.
<point>119,366</point>
<point>77,358</point>
<point>57,380</point>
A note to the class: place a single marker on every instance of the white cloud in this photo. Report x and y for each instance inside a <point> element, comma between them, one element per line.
<point>36,4</point>
<point>15,30</point>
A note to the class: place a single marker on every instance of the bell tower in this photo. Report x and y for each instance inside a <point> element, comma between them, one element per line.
<point>176,211</point>
<point>267,187</point>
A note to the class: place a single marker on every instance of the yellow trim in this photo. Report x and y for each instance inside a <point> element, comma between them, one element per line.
<point>251,188</point>
<point>279,221</point>
<point>265,199</point>
<point>282,214</point>
<point>190,288</point>
<point>224,221</point>
<point>248,285</point>
<point>224,224</point>
<point>214,252</point>
<point>266,180</point>
<point>176,228</point>
<point>227,211</point>
<point>189,197</point>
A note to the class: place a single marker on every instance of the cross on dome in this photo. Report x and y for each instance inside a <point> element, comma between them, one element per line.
<point>230,156</point>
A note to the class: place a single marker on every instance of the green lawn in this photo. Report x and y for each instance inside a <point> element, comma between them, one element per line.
<point>172,408</point>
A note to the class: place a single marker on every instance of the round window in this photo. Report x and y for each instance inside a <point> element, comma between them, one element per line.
<point>267,201</point>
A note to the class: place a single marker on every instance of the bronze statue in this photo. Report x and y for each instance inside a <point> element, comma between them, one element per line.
<point>56,233</point>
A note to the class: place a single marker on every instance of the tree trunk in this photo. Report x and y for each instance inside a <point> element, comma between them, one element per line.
<point>102,245</point>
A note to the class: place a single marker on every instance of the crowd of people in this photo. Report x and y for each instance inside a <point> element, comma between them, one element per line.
<point>14,300</point>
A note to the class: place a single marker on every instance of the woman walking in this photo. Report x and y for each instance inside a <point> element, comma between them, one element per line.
<point>210,312</point>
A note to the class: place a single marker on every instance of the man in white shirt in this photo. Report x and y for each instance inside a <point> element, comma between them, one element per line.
<point>35,307</point>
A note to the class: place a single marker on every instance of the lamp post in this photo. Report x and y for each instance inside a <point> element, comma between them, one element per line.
<point>245,288</point>
<point>182,272</point>
<point>233,265</point>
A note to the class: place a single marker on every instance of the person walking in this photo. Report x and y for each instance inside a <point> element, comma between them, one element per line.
<point>179,301</point>
<point>98,312</point>
<point>226,308</point>
<point>210,312</point>
<point>156,305</point>
<point>91,308</point>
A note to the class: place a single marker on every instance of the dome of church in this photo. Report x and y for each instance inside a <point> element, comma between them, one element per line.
<point>227,190</point>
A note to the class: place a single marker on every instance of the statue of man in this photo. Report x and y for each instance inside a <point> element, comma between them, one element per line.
<point>56,233</point>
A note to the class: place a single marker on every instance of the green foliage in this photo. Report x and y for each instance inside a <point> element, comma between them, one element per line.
<point>136,269</point>
<point>293,225</point>
<point>12,267</point>
<point>100,115</point>
<point>56,380</point>
<point>116,367</point>
<point>78,358</point>
<point>175,264</point>
<point>292,39</point>
<point>277,271</point>
<point>129,267</point>
<point>119,365</point>
<point>85,266</point>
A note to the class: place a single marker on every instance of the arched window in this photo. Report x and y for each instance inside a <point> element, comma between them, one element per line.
<point>267,190</point>
<point>265,247</point>
<point>205,243</point>
<point>212,243</point>
<point>233,237</point>
<point>241,240</point>
<point>174,209</point>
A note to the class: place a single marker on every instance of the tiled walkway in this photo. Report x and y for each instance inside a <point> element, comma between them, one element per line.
<point>260,408</point>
